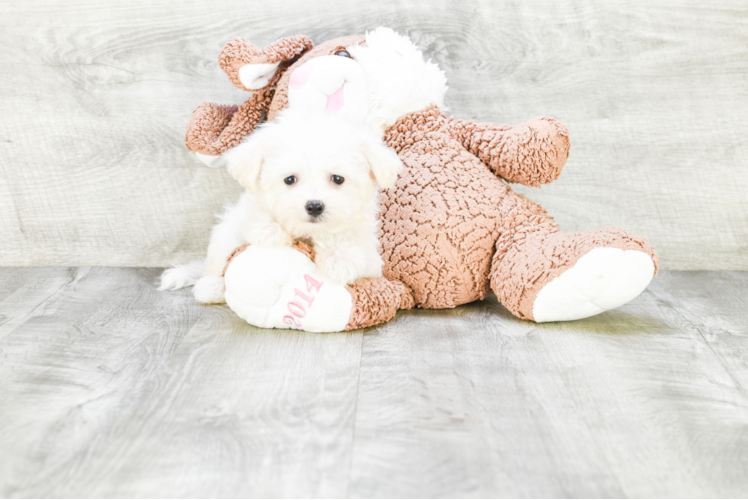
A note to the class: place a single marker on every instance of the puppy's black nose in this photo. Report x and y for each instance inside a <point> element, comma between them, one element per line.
<point>315,208</point>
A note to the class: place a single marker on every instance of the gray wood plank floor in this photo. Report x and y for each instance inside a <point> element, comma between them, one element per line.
<point>110,388</point>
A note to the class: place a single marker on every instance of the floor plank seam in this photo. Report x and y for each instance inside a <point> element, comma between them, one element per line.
<point>30,314</point>
<point>718,357</point>
<point>582,415</point>
<point>355,417</point>
<point>711,349</point>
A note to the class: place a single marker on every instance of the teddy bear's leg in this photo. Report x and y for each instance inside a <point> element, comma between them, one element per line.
<point>376,300</point>
<point>283,288</point>
<point>543,274</point>
<point>531,153</point>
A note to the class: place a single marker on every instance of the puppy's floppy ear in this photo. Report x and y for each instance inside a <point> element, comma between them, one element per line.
<point>384,163</point>
<point>244,162</point>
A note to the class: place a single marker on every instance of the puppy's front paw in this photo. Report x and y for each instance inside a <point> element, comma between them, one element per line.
<point>210,290</point>
<point>270,234</point>
<point>339,266</point>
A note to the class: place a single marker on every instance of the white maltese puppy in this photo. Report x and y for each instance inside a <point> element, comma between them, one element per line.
<point>310,177</point>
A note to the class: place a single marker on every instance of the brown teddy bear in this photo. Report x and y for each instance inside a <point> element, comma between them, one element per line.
<point>451,230</point>
<point>216,128</point>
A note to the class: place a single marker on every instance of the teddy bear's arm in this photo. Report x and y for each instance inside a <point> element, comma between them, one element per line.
<point>215,128</point>
<point>532,153</point>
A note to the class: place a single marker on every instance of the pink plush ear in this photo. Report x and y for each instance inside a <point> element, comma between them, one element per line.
<point>238,53</point>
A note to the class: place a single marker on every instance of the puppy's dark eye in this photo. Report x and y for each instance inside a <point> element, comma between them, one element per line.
<point>343,53</point>
<point>291,179</point>
<point>337,179</point>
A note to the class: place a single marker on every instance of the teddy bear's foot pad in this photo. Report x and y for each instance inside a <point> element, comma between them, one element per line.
<point>280,287</point>
<point>602,279</point>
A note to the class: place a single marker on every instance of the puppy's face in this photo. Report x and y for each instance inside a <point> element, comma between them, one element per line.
<point>325,187</point>
<point>315,174</point>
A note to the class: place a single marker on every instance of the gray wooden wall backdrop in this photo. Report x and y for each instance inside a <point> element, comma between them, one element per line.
<point>96,95</point>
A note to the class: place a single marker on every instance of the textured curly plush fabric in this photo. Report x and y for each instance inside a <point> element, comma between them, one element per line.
<point>533,253</point>
<point>239,52</point>
<point>452,231</point>
<point>514,153</point>
<point>441,221</point>
<point>376,300</point>
<point>327,48</point>
<point>214,128</point>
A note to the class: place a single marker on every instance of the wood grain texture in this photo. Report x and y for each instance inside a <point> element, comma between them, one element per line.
<point>115,389</point>
<point>645,401</point>
<point>111,389</point>
<point>23,290</point>
<point>96,99</point>
<point>237,412</point>
<point>74,367</point>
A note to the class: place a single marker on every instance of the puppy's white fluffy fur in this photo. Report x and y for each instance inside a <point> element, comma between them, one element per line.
<point>399,81</point>
<point>288,163</point>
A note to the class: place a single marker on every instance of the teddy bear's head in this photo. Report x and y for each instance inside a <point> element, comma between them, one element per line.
<point>375,78</point>
<point>254,69</point>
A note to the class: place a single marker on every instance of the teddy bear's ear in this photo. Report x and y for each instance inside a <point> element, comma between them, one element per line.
<point>384,163</point>
<point>244,162</point>
<point>253,68</point>
<point>257,76</point>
